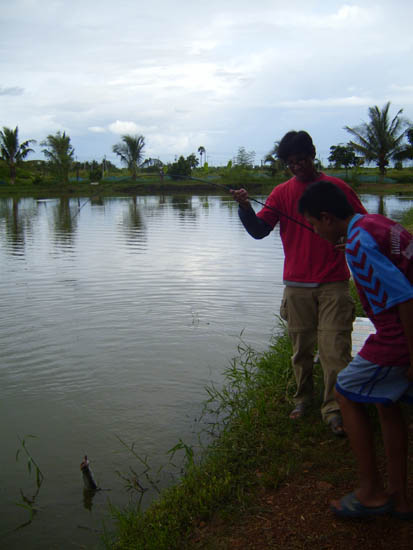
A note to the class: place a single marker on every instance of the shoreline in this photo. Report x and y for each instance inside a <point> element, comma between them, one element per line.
<point>130,188</point>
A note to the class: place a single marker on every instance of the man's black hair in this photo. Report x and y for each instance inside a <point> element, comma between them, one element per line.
<point>295,143</point>
<point>324,196</point>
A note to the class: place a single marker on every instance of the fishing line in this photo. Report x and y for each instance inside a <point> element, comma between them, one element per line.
<point>279,212</point>
<point>79,208</point>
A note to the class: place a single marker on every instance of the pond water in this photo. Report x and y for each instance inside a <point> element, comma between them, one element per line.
<point>116,315</point>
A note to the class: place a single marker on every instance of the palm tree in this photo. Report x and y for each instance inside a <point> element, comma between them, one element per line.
<point>130,152</point>
<point>13,152</point>
<point>60,153</point>
<point>201,151</point>
<point>379,140</point>
<point>407,151</point>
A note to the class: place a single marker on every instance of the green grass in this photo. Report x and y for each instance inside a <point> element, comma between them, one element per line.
<point>354,294</point>
<point>407,220</point>
<point>254,444</point>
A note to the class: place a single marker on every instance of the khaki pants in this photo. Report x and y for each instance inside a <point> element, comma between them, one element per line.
<point>322,318</point>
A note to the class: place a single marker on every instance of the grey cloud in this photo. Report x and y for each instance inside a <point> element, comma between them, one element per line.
<point>12,90</point>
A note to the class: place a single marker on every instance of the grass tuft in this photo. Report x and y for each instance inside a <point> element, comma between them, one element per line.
<point>253,445</point>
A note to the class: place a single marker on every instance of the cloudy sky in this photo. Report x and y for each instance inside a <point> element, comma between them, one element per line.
<point>220,73</point>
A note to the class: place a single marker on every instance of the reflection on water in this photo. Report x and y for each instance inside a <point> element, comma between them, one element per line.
<point>16,217</point>
<point>134,227</point>
<point>391,206</point>
<point>116,314</point>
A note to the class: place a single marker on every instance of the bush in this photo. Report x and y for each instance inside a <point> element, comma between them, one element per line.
<point>180,169</point>
<point>37,180</point>
<point>95,173</point>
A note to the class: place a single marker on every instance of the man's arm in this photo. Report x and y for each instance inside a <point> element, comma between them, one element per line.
<point>255,226</point>
<point>406,317</point>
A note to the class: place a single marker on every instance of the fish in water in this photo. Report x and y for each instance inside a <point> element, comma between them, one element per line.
<point>88,479</point>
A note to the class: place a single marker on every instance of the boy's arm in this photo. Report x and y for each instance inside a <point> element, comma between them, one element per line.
<point>406,317</point>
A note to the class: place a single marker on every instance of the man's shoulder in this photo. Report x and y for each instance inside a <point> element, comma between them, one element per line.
<point>336,181</point>
<point>285,184</point>
<point>282,188</point>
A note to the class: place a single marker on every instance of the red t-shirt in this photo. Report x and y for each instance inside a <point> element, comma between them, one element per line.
<point>308,257</point>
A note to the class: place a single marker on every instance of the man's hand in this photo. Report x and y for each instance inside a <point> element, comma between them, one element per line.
<point>241,196</point>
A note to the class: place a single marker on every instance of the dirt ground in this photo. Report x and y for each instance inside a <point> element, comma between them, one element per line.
<point>297,516</point>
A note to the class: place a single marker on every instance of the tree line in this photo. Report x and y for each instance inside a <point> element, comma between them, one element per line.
<point>381,140</point>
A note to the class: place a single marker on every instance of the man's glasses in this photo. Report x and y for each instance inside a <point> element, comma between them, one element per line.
<point>296,162</point>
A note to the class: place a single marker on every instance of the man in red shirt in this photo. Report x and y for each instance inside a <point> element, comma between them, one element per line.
<point>316,304</point>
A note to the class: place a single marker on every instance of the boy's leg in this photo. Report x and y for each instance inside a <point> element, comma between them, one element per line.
<point>395,440</point>
<point>357,425</point>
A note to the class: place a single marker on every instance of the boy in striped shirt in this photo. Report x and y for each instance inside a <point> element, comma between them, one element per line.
<point>379,253</point>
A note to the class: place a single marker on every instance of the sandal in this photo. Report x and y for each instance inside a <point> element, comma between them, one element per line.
<point>298,412</point>
<point>336,425</point>
<point>351,507</point>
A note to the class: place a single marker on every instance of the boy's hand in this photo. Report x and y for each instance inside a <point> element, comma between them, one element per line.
<point>341,245</point>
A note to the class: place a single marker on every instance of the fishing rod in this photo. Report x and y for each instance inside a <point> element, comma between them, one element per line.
<point>279,212</point>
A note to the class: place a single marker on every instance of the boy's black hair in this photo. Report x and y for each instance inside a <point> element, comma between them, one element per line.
<point>324,196</point>
<point>295,143</point>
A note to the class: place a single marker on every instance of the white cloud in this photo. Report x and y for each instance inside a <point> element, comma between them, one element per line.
<point>224,76</point>
<point>123,127</point>
<point>198,47</point>
<point>312,103</point>
<point>346,18</point>
<point>97,129</point>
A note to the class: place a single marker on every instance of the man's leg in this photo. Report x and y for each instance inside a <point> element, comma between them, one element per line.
<point>334,349</point>
<point>395,440</point>
<point>360,434</point>
<point>335,324</point>
<point>299,309</point>
<point>303,344</point>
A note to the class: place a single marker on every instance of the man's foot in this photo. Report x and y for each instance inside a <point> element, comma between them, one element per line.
<point>349,506</point>
<point>298,411</point>
<point>336,424</point>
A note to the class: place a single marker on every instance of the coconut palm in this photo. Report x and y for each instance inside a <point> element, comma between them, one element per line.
<point>130,152</point>
<point>379,140</point>
<point>60,153</point>
<point>13,152</point>
<point>407,151</point>
<point>201,151</point>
